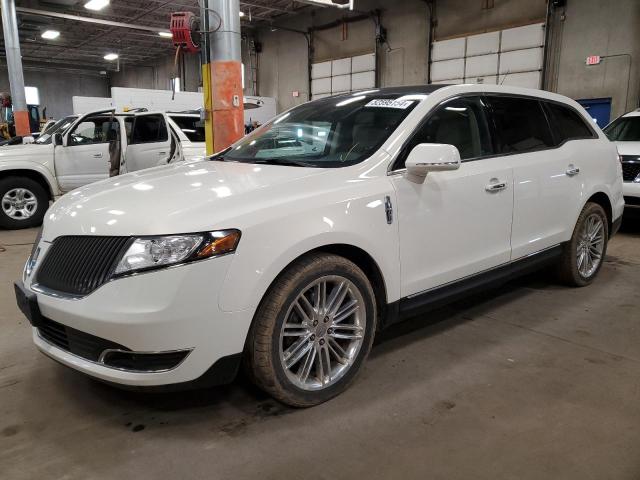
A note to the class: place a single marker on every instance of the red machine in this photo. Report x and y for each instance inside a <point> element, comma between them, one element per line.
<point>184,27</point>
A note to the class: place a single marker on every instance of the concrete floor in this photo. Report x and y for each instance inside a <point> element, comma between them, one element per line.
<point>535,381</point>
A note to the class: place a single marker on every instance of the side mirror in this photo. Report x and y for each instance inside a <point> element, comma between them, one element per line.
<point>431,157</point>
<point>57,139</point>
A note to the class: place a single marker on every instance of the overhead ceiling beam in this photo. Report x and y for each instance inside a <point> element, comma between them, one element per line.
<point>97,21</point>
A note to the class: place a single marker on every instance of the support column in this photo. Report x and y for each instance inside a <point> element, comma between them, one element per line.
<point>222,74</point>
<point>14,65</point>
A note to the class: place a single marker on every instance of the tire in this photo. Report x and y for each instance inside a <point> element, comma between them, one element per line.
<point>571,270</point>
<point>271,345</point>
<point>28,214</point>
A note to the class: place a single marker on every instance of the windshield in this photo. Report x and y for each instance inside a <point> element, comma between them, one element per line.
<point>332,132</point>
<point>60,126</point>
<point>624,129</point>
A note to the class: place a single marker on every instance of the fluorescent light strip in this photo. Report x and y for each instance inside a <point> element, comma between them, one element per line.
<point>96,4</point>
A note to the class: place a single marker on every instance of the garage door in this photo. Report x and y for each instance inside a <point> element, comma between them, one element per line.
<point>509,57</point>
<point>343,75</point>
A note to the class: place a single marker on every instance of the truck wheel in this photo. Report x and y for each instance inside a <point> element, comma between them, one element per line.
<point>313,331</point>
<point>584,253</point>
<point>23,203</point>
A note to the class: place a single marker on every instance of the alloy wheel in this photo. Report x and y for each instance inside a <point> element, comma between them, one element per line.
<point>19,203</point>
<point>590,245</point>
<point>322,332</point>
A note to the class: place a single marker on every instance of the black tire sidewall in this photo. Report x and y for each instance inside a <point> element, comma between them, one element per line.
<point>39,192</point>
<point>314,397</point>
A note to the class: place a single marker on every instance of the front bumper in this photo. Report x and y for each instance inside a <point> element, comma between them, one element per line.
<point>167,310</point>
<point>631,191</point>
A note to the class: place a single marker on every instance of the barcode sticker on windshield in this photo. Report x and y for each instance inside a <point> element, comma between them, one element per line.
<point>382,103</point>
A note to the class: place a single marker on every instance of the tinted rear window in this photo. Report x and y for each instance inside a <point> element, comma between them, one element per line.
<point>149,128</point>
<point>521,124</point>
<point>567,123</point>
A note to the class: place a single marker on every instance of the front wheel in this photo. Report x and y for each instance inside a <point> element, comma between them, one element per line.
<point>584,253</point>
<point>23,203</point>
<point>313,331</point>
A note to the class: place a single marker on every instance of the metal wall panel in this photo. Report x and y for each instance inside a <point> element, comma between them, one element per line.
<point>448,49</point>
<point>481,65</point>
<point>447,69</point>
<point>521,60</point>
<point>519,38</point>
<point>483,44</point>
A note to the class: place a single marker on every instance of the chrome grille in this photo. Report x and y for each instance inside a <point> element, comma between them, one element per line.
<point>77,265</point>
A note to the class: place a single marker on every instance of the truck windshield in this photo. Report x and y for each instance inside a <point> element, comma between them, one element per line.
<point>331,132</point>
<point>60,126</point>
<point>625,129</point>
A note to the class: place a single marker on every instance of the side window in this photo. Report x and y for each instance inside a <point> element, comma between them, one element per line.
<point>520,124</point>
<point>191,127</point>
<point>93,130</point>
<point>460,122</point>
<point>567,123</point>
<point>149,129</point>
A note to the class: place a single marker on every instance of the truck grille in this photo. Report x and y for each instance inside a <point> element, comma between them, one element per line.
<point>77,265</point>
<point>630,168</point>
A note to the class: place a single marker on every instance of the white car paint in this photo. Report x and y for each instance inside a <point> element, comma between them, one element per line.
<point>630,149</point>
<point>444,229</point>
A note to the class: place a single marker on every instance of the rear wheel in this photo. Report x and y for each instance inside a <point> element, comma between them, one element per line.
<point>585,252</point>
<point>313,331</point>
<point>23,203</point>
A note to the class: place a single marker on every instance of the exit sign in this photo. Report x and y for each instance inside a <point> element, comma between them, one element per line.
<point>593,60</point>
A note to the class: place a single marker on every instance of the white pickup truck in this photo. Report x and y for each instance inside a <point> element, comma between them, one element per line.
<point>77,152</point>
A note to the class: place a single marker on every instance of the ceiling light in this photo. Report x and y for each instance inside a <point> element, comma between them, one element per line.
<point>96,4</point>
<point>50,34</point>
<point>241,13</point>
<point>166,34</point>
<point>111,56</point>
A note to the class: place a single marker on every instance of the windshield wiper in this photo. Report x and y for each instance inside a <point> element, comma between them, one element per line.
<point>277,161</point>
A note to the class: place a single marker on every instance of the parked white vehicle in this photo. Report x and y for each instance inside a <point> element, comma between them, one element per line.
<point>75,152</point>
<point>625,132</point>
<point>403,198</point>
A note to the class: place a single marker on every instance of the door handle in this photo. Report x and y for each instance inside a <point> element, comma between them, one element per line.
<point>97,155</point>
<point>572,170</point>
<point>495,187</point>
<point>162,153</point>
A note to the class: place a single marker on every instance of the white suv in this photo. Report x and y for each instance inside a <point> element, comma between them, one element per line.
<point>293,247</point>
<point>76,151</point>
<point>625,132</point>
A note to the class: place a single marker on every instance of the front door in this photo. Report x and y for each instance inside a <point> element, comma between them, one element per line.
<point>149,144</point>
<point>455,223</point>
<point>85,157</point>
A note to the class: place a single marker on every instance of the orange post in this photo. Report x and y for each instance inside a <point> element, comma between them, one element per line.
<point>21,119</point>
<point>227,103</point>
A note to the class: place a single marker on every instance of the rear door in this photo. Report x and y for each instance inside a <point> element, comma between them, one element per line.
<point>149,142</point>
<point>546,183</point>
<point>85,157</point>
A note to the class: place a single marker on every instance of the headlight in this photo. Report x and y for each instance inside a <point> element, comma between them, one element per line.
<point>147,253</point>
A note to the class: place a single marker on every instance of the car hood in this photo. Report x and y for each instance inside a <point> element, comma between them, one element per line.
<point>10,152</point>
<point>628,148</point>
<point>198,196</point>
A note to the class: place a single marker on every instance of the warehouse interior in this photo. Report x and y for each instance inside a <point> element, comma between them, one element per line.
<point>526,380</point>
